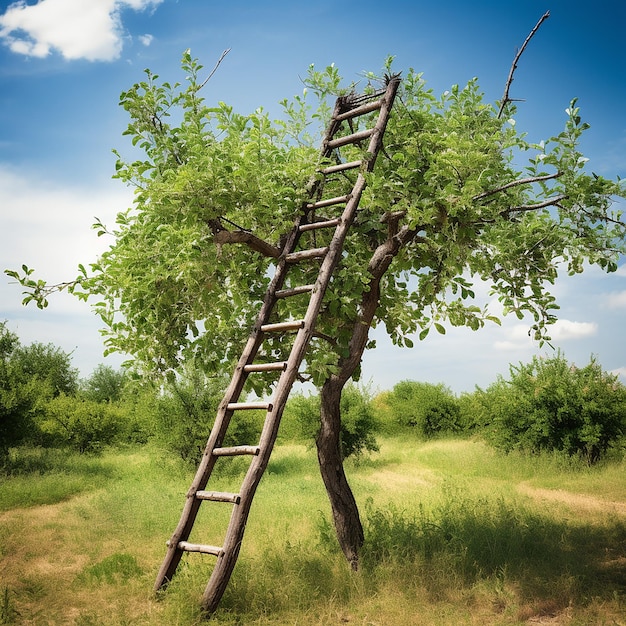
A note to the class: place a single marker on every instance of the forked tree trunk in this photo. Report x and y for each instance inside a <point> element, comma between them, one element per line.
<point>344,508</point>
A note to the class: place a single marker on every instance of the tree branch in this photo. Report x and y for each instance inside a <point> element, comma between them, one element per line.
<point>327,338</point>
<point>505,97</point>
<point>515,183</point>
<point>208,78</point>
<point>533,207</point>
<point>603,218</point>
<point>378,265</point>
<point>252,241</point>
<point>392,219</point>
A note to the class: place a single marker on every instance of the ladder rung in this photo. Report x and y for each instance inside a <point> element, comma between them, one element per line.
<point>266,367</point>
<point>354,138</point>
<point>218,496</point>
<point>249,406</point>
<point>320,224</point>
<point>340,167</point>
<point>198,547</point>
<point>362,110</point>
<point>285,293</point>
<point>236,451</point>
<point>329,202</point>
<point>302,255</point>
<point>280,326</point>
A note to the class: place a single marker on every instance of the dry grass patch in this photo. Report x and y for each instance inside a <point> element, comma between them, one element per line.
<point>450,540</point>
<point>574,502</point>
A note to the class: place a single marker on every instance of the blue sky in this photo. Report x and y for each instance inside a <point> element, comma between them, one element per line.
<point>63,64</point>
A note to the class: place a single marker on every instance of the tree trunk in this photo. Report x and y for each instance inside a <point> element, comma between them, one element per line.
<point>344,508</point>
<point>345,511</point>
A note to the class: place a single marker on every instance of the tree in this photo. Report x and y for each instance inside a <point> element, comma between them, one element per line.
<point>185,412</point>
<point>550,404</point>
<point>432,409</point>
<point>82,424</point>
<point>49,366</point>
<point>18,398</point>
<point>105,384</point>
<point>30,376</point>
<point>447,205</point>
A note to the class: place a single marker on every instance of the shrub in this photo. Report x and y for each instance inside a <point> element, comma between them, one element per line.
<point>381,404</point>
<point>549,404</point>
<point>301,418</point>
<point>430,409</point>
<point>358,419</point>
<point>83,425</point>
<point>22,396</point>
<point>470,410</point>
<point>358,422</point>
<point>139,404</point>
<point>185,413</point>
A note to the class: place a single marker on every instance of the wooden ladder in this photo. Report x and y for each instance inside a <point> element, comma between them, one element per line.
<point>346,109</point>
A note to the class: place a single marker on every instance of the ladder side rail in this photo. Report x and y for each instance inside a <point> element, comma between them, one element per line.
<point>376,139</point>
<point>234,536</point>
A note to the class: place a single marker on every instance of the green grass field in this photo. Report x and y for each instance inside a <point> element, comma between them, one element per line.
<point>456,534</point>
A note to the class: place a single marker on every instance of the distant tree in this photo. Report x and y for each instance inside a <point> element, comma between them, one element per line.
<point>549,404</point>
<point>185,411</point>
<point>458,195</point>
<point>30,376</point>
<point>49,365</point>
<point>105,384</point>
<point>431,409</point>
<point>18,397</point>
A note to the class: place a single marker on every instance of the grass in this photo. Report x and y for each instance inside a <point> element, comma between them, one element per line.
<point>455,534</point>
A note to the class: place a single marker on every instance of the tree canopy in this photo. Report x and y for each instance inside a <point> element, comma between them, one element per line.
<point>457,196</point>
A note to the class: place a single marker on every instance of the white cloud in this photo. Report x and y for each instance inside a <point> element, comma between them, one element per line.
<point>48,227</point>
<point>517,337</point>
<point>78,29</point>
<point>507,346</point>
<point>146,40</point>
<point>616,300</point>
<point>565,329</point>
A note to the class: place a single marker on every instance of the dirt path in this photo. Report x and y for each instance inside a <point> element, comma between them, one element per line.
<point>574,500</point>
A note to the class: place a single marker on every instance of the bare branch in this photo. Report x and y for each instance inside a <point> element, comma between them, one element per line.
<point>515,183</point>
<point>533,207</point>
<point>509,80</point>
<point>208,78</point>
<point>252,241</point>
